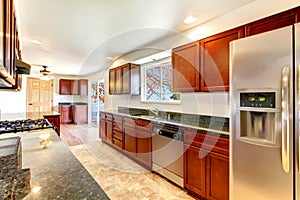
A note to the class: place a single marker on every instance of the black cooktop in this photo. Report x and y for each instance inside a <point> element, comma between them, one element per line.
<point>24,125</point>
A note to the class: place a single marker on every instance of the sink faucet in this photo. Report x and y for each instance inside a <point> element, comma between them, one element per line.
<point>155,111</point>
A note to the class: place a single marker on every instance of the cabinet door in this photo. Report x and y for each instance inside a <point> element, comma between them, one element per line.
<point>83,87</point>
<point>109,131</point>
<point>126,79</point>
<point>194,169</point>
<point>135,80</point>
<point>80,114</point>
<point>118,88</point>
<point>64,87</point>
<point>217,177</point>
<point>129,141</point>
<point>185,62</point>
<point>273,22</point>
<point>66,114</point>
<point>112,80</point>
<point>74,87</point>
<point>143,149</point>
<point>215,60</point>
<point>102,129</point>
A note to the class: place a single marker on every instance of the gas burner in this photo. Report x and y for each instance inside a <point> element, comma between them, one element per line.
<point>23,125</point>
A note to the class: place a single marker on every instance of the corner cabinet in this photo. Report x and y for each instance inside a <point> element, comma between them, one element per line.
<point>215,60</point>
<point>125,79</point>
<point>206,165</point>
<point>186,70</point>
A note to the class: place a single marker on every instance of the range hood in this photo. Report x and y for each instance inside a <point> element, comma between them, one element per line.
<point>22,67</point>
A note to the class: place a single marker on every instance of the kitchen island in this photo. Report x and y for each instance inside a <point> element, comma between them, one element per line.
<point>55,172</point>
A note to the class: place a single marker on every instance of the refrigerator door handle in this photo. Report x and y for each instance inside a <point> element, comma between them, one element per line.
<point>285,124</point>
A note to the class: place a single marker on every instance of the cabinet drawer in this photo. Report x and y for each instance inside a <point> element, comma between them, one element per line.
<point>102,115</point>
<point>109,117</point>
<point>118,135</point>
<point>118,119</point>
<point>143,125</point>
<point>129,122</point>
<point>209,142</point>
<point>118,143</point>
<point>117,127</point>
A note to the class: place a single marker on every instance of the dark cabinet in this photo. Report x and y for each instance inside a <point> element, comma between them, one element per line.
<point>125,79</point>
<point>54,120</point>
<point>143,148</point>
<point>102,129</point>
<point>73,87</point>
<point>273,22</point>
<point>215,60</point>
<point>64,87</point>
<point>109,128</point>
<point>83,87</point>
<point>66,114</point>
<point>206,165</point>
<point>186,70</point>
<point>118,132</point>
<point>129,141</point>
<point>194,168</point>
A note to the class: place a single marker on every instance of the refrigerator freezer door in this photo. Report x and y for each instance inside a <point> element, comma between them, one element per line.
<point>256,171</point>
<point>297,110</point>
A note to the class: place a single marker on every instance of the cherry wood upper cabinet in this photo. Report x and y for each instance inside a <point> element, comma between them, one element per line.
<point>214,52</point>
<point>73,87</point>
<point>185,62</point>
<point>273,22</point>
<point>64,87</point>
<point>125,79</point>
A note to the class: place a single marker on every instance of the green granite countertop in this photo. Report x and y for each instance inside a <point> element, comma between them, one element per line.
<point>55,172</point>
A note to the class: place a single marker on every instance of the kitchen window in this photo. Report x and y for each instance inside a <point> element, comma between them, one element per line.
<point>157,78</point>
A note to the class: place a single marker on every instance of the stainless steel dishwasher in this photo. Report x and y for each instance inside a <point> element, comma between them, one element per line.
<point>167,151</point>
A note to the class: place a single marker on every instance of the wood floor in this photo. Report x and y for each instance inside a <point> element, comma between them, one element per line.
<point>120,177</point>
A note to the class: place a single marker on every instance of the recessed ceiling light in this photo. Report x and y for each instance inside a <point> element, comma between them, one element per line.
<point>109,58</point>
<point>190,19</point>
<point>36,41</point>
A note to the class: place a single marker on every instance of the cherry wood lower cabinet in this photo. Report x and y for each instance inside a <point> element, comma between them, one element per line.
<point>102,129</point>
<point>144,148</point>
<point>129,141</point>
<point>109,131</point>
<point>206,166</point>
<point>54,120</point>
<point>66,114</point>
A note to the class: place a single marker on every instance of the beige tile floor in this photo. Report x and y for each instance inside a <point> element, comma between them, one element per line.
<point>120,177</point>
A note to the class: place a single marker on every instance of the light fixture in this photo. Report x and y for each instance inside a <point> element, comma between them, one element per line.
<point>109,58</point>
<point>45,74</point>
<point>190,19</point>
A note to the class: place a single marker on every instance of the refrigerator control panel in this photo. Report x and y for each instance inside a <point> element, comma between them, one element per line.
<point>258,99</point>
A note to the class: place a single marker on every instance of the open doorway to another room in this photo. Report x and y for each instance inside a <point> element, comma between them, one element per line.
<point>97,101</point>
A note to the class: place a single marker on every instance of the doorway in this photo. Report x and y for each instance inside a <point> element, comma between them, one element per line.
<point>97,101</point>
<point>39,95</point>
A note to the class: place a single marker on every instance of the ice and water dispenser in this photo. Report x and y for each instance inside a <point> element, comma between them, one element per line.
<point>259,118</point>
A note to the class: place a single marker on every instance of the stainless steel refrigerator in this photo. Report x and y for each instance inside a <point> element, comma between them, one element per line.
<point>264,124</point>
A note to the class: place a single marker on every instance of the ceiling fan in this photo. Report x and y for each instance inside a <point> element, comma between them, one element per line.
<point>44,71</point>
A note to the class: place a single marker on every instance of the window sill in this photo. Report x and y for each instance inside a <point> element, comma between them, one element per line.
<point>163,102</point>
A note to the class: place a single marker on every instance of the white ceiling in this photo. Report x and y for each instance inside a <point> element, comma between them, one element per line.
<point>77,35</point>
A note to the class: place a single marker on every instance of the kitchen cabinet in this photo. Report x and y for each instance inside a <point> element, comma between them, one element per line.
<point>80,114</point>
<point>186,69</point>
<point>273,22</point>
<point>9,46</point>
<point>125,79</point>
<point>144,143</point>
<point>215,60</point>
<point>66,114</point>
<point>206,165</point>
<point>129,136</point>
<point>118,132</point>
<point>102,129</point>
<point>109,128</point>
<point>73,87</point>
<point>64,87</point>
<point>54,120</point>
<point>83,87</point>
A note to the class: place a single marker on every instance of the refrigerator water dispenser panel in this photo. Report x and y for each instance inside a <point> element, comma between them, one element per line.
<point>258,99</point>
